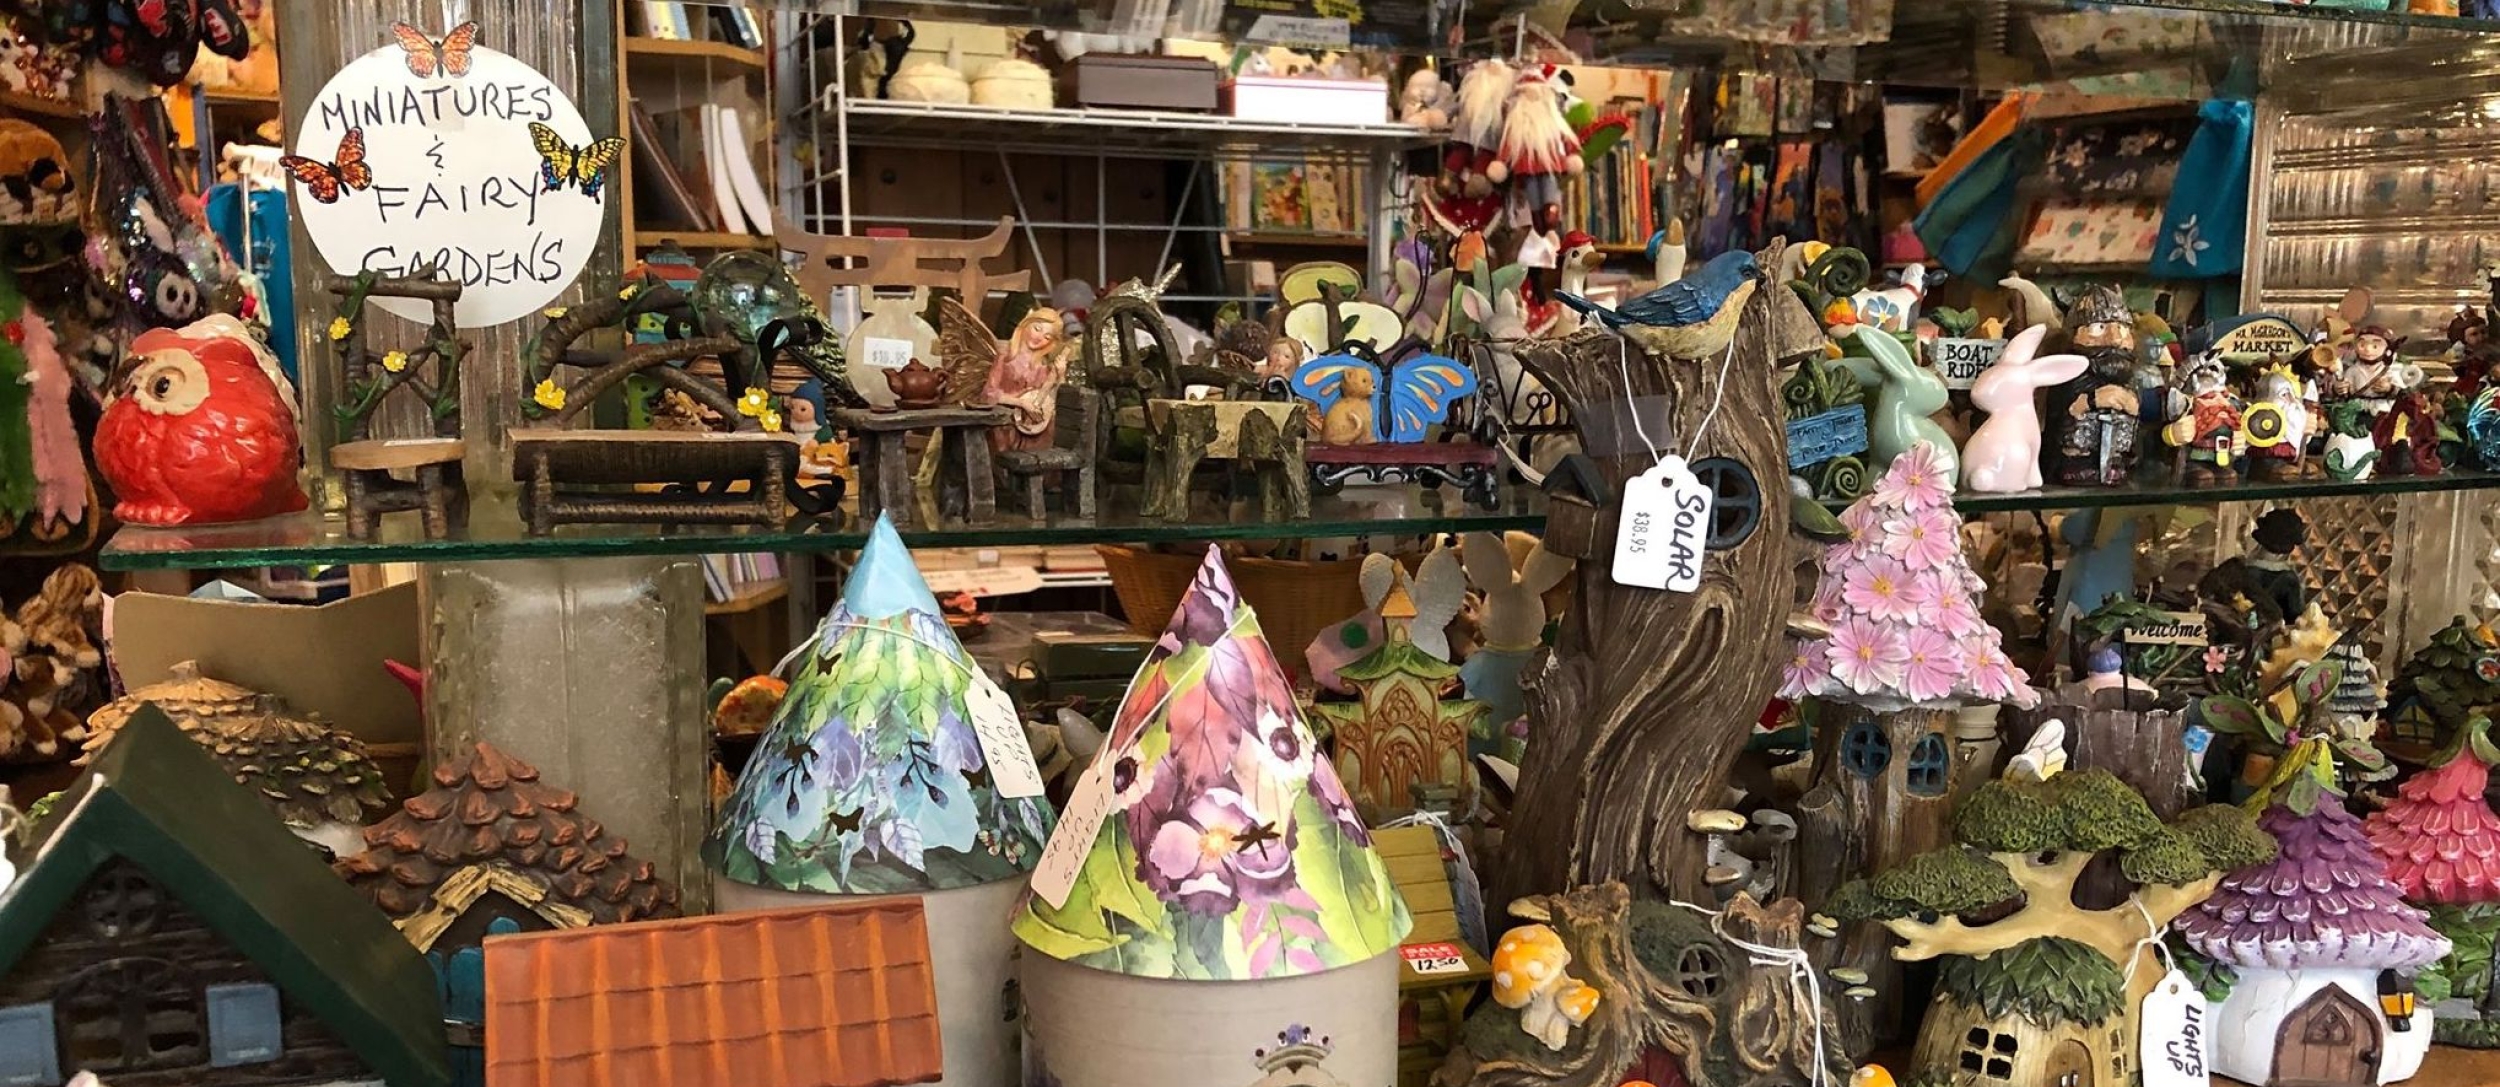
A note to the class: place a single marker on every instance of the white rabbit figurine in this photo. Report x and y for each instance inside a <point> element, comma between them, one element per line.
<point>1511,622</point>
<point>2004,455</point>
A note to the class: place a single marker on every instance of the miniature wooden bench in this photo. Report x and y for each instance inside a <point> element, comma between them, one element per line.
<point>585,477</point>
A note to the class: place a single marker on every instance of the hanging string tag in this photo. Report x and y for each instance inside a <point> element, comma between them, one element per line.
<point>1658,542</point>
<point>2171,1045</point>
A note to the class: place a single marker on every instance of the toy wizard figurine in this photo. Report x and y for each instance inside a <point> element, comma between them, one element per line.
<point>2096,425</point>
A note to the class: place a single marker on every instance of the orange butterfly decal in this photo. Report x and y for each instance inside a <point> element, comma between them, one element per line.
<point>326,180</point>
<point>451,54</point>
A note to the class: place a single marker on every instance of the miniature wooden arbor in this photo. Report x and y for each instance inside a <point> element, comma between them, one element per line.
<point>365,462</point>
<point>565,472</point>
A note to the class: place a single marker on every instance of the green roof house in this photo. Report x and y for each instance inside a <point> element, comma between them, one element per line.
<point>167,930</point>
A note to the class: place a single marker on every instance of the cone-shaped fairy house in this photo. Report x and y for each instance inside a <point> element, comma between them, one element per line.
<point>896,767</point>
<point>2442,845</point>
<point>2320,946</point>
<point>1210,888</point>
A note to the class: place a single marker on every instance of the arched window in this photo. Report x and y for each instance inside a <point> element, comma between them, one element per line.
<point>1735,501</point>
<point>1865,750</point>
<point>1931,765</point>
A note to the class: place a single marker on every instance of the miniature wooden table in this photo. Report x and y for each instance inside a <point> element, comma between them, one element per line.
<point>1267,435</point>
<point>884,463</point>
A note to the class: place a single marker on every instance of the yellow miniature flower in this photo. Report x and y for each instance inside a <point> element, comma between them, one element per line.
<point>554,313</point>
<point>755,403</point>
<point>771,420</point>
<point>395,361</point>
<point>548,395</point>
<point>626,295</point>
<point>339,328</point>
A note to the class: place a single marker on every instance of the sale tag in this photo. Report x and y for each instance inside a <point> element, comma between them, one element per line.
<point>1429,959</point>
<point>2172,1043</point>
<point>1003,743</point>
<point>885,354</point>
<point>1064,855</point>
<point>1665,526</point>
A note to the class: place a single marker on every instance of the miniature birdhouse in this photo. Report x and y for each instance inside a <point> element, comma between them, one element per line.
<point>896,767</point>
<point>2441,842</point>
<point>2308,935</point>
<point>1402,732</point>
<point>1211,888</point>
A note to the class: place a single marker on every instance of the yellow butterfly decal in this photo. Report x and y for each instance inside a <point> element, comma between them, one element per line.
<point>564,164</point>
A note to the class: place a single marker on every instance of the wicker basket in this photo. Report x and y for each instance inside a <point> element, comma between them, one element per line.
<point>1294,599</point>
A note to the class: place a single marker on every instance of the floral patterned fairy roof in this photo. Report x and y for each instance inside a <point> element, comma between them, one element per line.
<point>2325,900</point>
<point>1210,839</point>
<point>1903,604</point>
<point>874,777</point>
<point>2439,836</point>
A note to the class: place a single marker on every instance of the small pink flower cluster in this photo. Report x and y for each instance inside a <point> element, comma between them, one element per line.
<point>1900,601</point>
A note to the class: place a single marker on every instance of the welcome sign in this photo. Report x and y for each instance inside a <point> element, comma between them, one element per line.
<point>447,154</point>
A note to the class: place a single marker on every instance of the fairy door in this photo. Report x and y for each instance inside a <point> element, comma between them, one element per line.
<point>2331,1040</point>
<point>2070,1065</point>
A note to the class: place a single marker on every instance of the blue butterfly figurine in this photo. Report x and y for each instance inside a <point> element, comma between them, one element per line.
<point>1402,401</point>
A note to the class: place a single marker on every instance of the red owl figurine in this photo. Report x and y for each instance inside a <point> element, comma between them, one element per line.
<point>198,431</point>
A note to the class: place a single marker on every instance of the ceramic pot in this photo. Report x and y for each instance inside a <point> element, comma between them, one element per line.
<point>973,955</point>
<point>916,385</point>
<point>1092,1028</point>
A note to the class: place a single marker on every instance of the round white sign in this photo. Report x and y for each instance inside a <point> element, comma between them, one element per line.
<point>490,175</point>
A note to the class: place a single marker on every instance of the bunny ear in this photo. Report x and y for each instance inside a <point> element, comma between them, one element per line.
<point>2057,368</point>
<point>1379,573</point>
<point>1544,570</point>
<point>1487,560</point>
<point>2018,351</point>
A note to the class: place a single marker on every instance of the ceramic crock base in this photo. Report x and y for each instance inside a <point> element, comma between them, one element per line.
<point>1091,1028</point>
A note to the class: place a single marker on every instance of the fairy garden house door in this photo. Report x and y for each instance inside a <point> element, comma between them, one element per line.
<point>2070,1065</point>
<point>2331,1040</point>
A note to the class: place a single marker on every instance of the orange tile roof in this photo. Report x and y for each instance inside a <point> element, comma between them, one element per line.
<point>823,997</point>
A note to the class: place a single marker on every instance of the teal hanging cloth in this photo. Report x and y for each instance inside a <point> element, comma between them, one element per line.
<point>1969,226</point>
<point>2204,231</point>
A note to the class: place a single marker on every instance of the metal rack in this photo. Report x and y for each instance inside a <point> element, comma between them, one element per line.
<point>830,125</point>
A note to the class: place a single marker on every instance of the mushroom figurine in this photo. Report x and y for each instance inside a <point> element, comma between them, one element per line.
<point>1529,977</point>
<point>1725,870</point>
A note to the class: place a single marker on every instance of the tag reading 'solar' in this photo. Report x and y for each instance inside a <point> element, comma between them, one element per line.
<point>2172,1044</point>
<point>1661,537</point>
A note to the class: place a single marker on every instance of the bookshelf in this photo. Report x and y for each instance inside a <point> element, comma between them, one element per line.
<point>668,80</point>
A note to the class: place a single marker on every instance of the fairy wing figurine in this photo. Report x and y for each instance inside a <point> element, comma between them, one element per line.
<point>1023,373</point>
<point>1360,401</point>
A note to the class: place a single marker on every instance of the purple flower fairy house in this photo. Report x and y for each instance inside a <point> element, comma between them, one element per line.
<point>2322,945</point>
<point>896,767</point>
<point>1210,884</point>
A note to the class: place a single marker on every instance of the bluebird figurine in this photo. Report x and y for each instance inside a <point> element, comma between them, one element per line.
<point>1692,317</point>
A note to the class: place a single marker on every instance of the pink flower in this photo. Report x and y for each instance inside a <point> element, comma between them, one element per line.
<point>1992,676</point>
<point>1806,670</point>
<point>1827,604</point>
<point>1867,657</point>
<point>1917,480</point>
<point>1949,608</point>
<point>2216,659</point>
<point>1934,662</point>
<point>1863,520</point>
<point>1882,589</point>
<point>1927,540</point>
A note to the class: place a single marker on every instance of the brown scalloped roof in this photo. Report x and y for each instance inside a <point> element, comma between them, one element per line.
<point>296,763</point>
<point>839,996</point>
<point>488,809</point>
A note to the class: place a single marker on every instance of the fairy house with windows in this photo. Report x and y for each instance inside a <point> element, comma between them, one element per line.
<point>167,931</point>
<point>491,841</point>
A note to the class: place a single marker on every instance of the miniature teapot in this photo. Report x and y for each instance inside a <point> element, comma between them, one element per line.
<point>916,385</point>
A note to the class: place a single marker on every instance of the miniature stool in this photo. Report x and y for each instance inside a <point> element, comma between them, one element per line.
<point>879,443</point>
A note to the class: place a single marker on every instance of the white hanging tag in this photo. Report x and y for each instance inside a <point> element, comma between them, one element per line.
<point>1064,855</point>
<point>1003,743</point>
<point>1659,540</point>
<point>2172,1044</point>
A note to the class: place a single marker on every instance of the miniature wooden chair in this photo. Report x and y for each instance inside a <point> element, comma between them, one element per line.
<point>1439,973</point>
<point>367,463</point>
<point>739,476</point>
<point>1070,463</point>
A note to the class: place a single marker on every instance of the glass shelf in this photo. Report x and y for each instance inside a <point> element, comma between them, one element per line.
<point>2164,491</point>
<point>494,532</point>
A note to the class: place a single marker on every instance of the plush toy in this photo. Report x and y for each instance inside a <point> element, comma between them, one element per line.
<point>1427,100</point>
<point>1538,143</point>
<point>199,432</point>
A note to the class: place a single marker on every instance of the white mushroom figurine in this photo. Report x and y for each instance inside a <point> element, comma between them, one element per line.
<point>1529,977</point>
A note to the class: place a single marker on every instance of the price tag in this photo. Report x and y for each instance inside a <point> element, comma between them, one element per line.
<point>1430,959</point>
<point>1003,743</point>
<point>885,354</point>
<point>2171,1047</point>
<point>1064,855</point>
<point>1661,537</point>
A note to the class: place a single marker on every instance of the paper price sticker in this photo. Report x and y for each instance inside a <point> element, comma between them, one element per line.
<point>2172,1045</point>
<point>1665,528</point>
<point>885,354</point>
<point>1064,855</point>
<point>1003,743</point>
<point>1430,959</point>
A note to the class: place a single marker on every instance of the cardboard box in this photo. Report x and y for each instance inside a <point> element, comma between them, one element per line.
<point>325,659</point>
<point>1292,99</point>
<point>1129,81</point>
